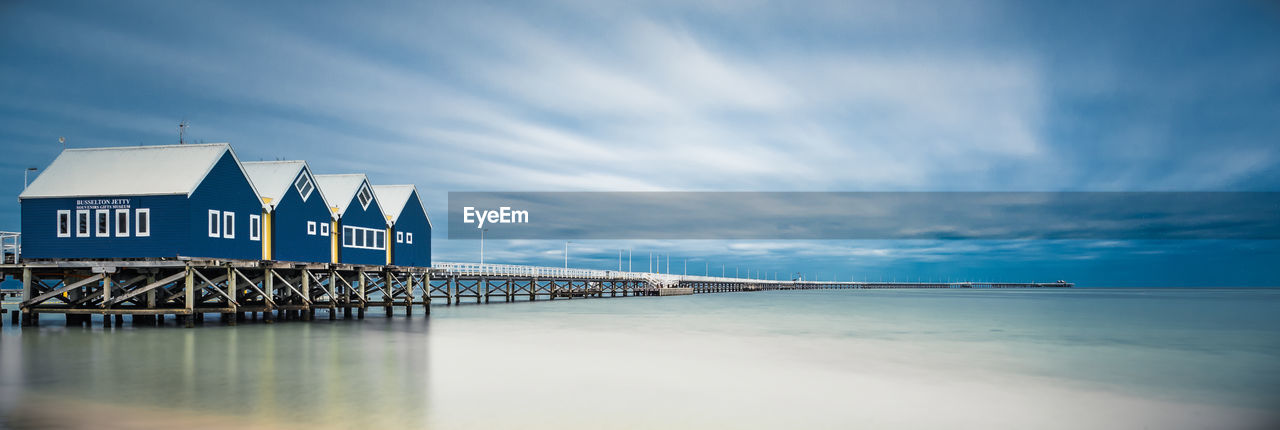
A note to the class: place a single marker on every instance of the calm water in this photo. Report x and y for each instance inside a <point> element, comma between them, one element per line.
<point>827,359</point>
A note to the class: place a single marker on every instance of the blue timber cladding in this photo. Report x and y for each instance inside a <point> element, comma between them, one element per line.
<point>177,224</point>
<point>166,239</point>
<point>413,220</point>
<point>368,218</point>
<point>224,189</point>
<point>291,240</point>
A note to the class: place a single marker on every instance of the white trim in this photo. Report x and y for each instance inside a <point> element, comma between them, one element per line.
<point>140,221</point>
<point>124,225</point>
<point>312,183</point>
<point>228,225</point>
<point>63,215</point>
<point>255,227</point>
<point>364,188</point>
<point>215,223</point>
<point>368,237</point>
<point>101,229</point>
<point>408,238</point>
<point>311,228</point>
<point>324,229</point>
<point>399,237</point>
<point>84,223</point>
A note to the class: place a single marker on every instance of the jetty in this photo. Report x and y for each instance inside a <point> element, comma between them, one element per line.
<point>236,291</point>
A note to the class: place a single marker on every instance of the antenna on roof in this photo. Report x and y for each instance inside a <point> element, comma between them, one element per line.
<point>182,130</point>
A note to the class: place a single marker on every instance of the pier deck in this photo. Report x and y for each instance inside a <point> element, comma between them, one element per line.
<point>246,290</point>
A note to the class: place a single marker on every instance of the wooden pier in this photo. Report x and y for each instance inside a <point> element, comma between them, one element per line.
<point>149,291</point>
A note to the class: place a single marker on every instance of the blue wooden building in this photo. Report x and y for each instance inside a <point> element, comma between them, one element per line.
<point>142,202</point>
<point>410,233</point>
<point>360,234</point>
<point>296,219</point>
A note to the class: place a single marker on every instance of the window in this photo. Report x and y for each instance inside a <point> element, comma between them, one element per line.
<point>408,238</point>
<point>142,223</point>
<point>311,228</point>
<point>82,223</point>
<point>324,229</point>
<point>364,238</point>
<point>304,185</point>
<point>64,223</point>
<point>229,225</point>
<point>215,223</point>
<point>365,197</point>
<point>399,237</point>
<point>103,217</point>
<point>122,223</point>
<point>255,227</point>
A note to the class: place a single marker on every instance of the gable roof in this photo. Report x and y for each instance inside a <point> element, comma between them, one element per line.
<point>129,171</point>
<point>396,197</point>
<point>342,189</point>
<point>273,179</point>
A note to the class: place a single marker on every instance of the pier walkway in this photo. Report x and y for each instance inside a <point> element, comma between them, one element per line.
<point>248,290</point>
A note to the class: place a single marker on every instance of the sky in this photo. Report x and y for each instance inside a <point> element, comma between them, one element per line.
<point>692,96</point>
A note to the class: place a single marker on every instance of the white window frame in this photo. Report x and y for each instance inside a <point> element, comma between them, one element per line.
<point>228,225</point>
<point>408,238</point>
<point>308,184</point>
<point>83,215</point>
<point>364,192</point>
<point>324,229</point>
<point>102,229</point>
<point>364,238</point>
<point>311,228</point>
<point>215,223</point>
<point>64,214</point>
<point>255,227</point>
<point>399,237</point>
<point>122,230</point>
<point>142,224</point>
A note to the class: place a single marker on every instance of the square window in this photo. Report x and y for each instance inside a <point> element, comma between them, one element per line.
<point>122,223</point>
<point>142,222</point>
<point>255,227</point>
<point>399,237</point>
<point>324,229</point>
<point>82,223</point>
<point>408,238</point>
<point>311,228</point>
<point>365,197</point>
<point>215,223</point>
<point>304,185</point>
<point>64,223</point>
<point>103,218</point>
<point>229,225</point>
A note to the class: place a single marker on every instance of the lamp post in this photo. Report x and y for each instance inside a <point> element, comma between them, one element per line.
<point>566,255</point>
<point>482,244</point>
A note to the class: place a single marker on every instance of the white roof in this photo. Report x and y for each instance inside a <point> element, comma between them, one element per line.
<point>343,189</point>
<point>128,171</point>
<point>395,198</point>
<point>273,179</point>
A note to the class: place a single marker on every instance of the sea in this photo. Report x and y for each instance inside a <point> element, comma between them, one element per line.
<point>1081,358</point>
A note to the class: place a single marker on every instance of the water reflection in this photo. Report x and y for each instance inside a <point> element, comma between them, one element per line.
<point>370,373</point>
